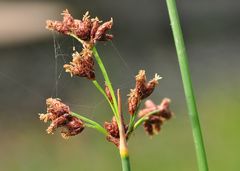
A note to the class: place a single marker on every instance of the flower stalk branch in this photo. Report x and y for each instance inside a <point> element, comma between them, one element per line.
<point>91,123</point>
<point>108,82</point>
<point>141,120</point>
<point>105,95</point>
<point>106,78</point>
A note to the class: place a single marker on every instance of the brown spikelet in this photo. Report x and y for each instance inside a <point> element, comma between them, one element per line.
<point>82,64</point>
<point>107,91</point>
<point>153,123</point>
<point>113,131</point>
<point>133,101</point>
<point>141,91</point>
<point>142,87</point>
<point>95,26</point>
<point>83,27</point>
<point>87,29</point>
<point>57,122</point>
<point>55,108</point>
<point>59,115</point>
<point>150,86</point>
<point>100,34</point>
<point>68,20</point>
<point>73,127</point>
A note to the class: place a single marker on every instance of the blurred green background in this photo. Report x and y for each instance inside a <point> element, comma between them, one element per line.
<point>142,40</point>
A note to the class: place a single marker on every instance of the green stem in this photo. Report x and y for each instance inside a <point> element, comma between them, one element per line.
<point>141,120</point>
<point>104,94</point>
<point>132,121</point>
<point>105,75</point>
<point>187,84</point>
<point>125,163</point>
<point>91,123</point>
<point>74,36</point>
<point>108,82</point>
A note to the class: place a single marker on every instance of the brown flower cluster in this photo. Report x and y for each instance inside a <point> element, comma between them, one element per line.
<point>142,90</point>
<point>113,131</point>
<point>59,115</point>
<point>82,64</point>
<point>107,91</point>
<point>154,122</point>
<point>88,29</point>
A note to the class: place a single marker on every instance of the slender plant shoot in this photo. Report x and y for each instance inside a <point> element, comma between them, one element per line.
<point>187,84</point>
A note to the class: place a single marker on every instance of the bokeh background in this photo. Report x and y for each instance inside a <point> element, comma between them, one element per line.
<point>29,55</point>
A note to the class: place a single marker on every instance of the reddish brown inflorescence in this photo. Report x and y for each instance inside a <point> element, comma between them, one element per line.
<point>113,131</point>
<point>82,64</point>
<point>108,93</point>
<point>88,29</point>
<point>153,123</point>
<point>59,115</point>
<point>142,90</point>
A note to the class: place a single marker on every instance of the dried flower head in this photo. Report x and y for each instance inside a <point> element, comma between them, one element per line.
<point>73,127</point>
<point>55,108</point>
<point>153,123</point>
<point>113,131</point>
<point>59,115</point>
<point>142,90</point>
<point>82,64</point>
<point>100,34</point>
<point>142,87</point>
<point>133,101</point>
<point>107,91</point>
<point>88,29</point>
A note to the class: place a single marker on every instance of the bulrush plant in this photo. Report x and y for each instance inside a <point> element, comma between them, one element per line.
<point>90,31</point>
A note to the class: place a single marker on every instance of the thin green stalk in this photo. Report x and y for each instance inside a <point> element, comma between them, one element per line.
<point>108,82</point>
<point>74,36</point>
<point>141,120</point>
<point>187,84</point>
<point>125,163</point>
<point>104,94</point>
<point>91,123</point>
<point>105,75</point>
<point>132,121</point>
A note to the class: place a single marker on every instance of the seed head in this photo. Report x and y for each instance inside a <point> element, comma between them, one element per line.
<point>133,101</point>
<point>153,123</point>
<point>113,131</point>
<point>59,115</point>
<point>82,64</point>
<point>73,127</point>
<point>88,29</point>
<point>107,91</point>
<point>142,90</point>
<point>100,34</point>
<point>142,87</point>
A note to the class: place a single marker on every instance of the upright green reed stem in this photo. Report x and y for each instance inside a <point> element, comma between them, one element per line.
<point>125,163</point>
<point>187,84</point>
